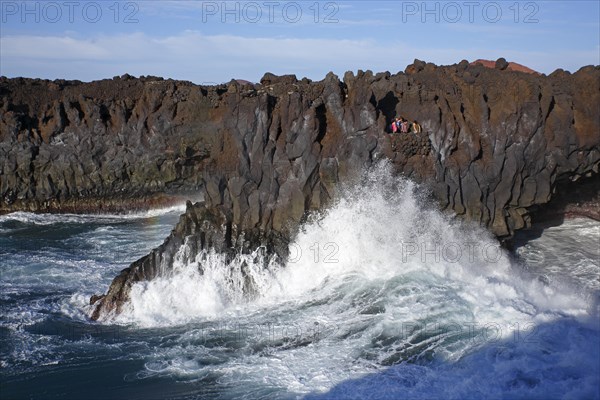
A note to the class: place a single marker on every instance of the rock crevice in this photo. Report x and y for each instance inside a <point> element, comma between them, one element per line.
<point>494,145</point>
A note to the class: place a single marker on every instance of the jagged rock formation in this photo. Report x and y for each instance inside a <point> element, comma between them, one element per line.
<point>494,143</point>
<point>107,145</point>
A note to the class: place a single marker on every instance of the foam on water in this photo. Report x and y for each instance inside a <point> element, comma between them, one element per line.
<point>378,280</point>
<point>382,297</point>
<point>574,244</point>
<point>50,219</point>
<point>377,231</point>
<point>50,265</point>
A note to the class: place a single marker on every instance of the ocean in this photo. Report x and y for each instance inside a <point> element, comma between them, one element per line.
<point>383,297</point>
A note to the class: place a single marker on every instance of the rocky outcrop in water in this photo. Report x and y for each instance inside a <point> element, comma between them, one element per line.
<point>495,143</point>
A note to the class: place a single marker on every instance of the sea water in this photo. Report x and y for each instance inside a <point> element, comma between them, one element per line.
<point>382,296</point>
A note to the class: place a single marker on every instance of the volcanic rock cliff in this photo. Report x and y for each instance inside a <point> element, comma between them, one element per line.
<point>495,144</point>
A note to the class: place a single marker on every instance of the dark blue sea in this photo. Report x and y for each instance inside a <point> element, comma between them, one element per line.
<point>383,297</point>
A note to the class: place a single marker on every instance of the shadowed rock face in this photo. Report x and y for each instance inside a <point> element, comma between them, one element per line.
<point>107,145</point>
<point>494,144</point>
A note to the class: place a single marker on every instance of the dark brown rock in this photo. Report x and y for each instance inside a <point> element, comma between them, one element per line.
<point>501,64</point>
<point>416,66</point>
<point>493,147</point>
<point>95,298</point>
<point>272,79</point>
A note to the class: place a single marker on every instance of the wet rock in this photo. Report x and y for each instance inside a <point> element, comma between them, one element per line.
<point>95,298</point>
<point>493,147</point>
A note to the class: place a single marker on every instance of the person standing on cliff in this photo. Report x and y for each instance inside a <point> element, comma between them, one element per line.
<point>394,126</point>
<point>404,125</point>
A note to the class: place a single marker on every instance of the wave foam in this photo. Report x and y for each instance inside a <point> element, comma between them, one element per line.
<point>50,219</point>
<point>379,231</point>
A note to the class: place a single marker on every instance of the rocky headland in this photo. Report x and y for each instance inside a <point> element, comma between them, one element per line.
<point>496,146</point>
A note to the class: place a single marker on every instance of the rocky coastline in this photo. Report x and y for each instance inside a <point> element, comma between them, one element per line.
<point>496,146</point>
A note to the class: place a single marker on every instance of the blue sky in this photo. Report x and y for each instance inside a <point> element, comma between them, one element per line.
<point>215,41</point>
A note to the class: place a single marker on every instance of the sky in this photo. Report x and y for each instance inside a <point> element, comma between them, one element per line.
<point>209,42</point>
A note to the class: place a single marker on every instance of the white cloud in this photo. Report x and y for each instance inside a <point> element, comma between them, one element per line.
<point>40,47</point>
<point>194,56</point>
<point>189,55</point>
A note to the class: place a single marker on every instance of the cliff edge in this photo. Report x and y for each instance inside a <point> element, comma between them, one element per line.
<point>495,144</point>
